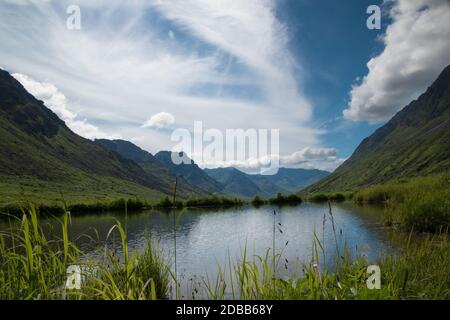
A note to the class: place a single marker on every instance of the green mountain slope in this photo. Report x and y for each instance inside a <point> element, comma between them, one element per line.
<point>42,160</point>
<point>415,142</point>
<point>192,173</point>
<point>148,162</point>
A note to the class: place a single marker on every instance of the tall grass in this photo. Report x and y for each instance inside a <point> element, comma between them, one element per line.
<point>421,203</point>
<point>419,270</point>
<point>34,262</point>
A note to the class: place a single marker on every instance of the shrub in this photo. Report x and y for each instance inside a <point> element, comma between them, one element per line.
<point>258,201</point>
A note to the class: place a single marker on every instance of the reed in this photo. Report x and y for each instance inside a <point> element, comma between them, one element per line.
<point>34,263</point>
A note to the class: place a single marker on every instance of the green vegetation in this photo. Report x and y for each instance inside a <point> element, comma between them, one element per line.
<point>420,203</point>
<point>333,197</point>
<point>150,164</point>
<point>258,201</point>
<point>214,201</point>
<point>41,158</point>
<point>131,204</point>
<point>419,271</point>
<point>34,262</point>
<point>413,143</point>
<point>33,265</point>
<point>279,200</point>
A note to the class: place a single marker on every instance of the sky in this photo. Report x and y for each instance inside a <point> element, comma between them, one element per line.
<point>137,70</point>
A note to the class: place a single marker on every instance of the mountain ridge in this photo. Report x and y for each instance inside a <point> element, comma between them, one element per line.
<point>38,149</point>
<point>191,172</point>
<point>148,162</point>
<point>415,142</point>
<point>287,180</point>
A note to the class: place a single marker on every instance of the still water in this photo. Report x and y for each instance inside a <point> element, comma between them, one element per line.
<point>209,237</point>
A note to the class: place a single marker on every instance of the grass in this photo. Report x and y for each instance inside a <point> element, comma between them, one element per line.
<point>33,265</point>
<point>420,203</point>
<point>419,270</point>
<point>132,204</point>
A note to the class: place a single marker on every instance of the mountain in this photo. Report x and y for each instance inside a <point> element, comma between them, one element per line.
<point>236,182</point>
<point>148,162</point>
<point>292,180</point>
<point>191,172</point>
<point>285,181</point>
<point>43,160</point>
<point>415,142</point>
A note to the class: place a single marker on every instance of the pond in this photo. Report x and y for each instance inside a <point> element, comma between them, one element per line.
<point>207,238</point>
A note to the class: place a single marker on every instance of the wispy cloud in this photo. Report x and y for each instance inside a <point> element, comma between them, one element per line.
<point>131,60</point>
<point>417,48</point>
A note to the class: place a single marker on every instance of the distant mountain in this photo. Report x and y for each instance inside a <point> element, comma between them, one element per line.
<point>293,180</point>
<point>415,142</point>
<point>191,172</point>
<point>236,182</point>
<point>148,162</point>
<point>42,159</point>
<point>285,181</point>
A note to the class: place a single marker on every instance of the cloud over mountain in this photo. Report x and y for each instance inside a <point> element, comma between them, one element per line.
<point>417,48</point>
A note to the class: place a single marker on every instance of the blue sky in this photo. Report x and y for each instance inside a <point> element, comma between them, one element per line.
<point>139,69</point>
<point>331,40</point>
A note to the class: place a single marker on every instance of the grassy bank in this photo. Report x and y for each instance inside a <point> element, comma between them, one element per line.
<point>418,271</point>
<point>201,202</point>
<point>420,203</point>
<point>120,205</point>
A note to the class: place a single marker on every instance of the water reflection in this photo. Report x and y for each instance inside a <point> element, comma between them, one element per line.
<point>207,238</point>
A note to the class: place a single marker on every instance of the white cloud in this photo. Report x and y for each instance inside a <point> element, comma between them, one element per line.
<point>123,66</point>
<point>310,156</point>
<point>57,102</point>
<point>249,31</point>
<point>161,120</point>
<point>417,49</point>
<point>307,158</point>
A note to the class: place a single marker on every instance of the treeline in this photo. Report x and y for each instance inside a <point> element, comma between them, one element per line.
<point>279,200</point>
<point>78,208</point>
<point>333,197</point>
<point>129,205</point>
<point>201,202</point>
